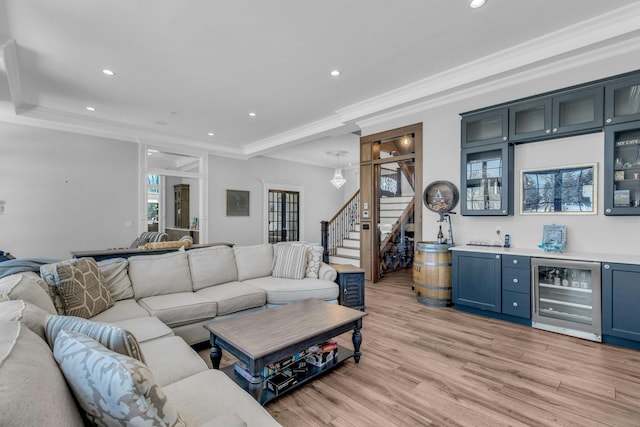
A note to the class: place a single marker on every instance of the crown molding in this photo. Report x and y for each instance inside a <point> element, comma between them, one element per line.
<point>587,33</point>
<point>582,59</point>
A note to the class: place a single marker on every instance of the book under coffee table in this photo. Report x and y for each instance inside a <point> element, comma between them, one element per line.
<point>265,337</point>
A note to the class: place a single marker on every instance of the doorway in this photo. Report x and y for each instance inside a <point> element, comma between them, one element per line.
<point>284,216</point>
<point>391,199</point>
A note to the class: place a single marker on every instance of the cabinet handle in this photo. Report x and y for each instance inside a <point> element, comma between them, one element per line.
<point>515,304</point>
<point>609,120</point>
<point>608,210</point>
<point>515,280</point>
<point>547,131</point>
<point>345,291</point>
<point>497,256</point>
<point>515,261</point>
<point>555,130</point>
<point>606,266</point>
<point>504,138</point>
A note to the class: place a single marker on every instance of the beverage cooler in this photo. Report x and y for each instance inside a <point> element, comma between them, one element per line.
<point>566,297</point>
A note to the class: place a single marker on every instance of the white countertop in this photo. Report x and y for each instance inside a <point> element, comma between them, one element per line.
<point>539,253</point>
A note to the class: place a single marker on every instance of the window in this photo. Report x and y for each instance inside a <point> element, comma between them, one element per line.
<point>283,216</point>
<point>566,190</point>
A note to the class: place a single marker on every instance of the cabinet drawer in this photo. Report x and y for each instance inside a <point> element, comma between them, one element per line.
<point>516,261</point>
<point>516,280</point>
<point>516,304</point>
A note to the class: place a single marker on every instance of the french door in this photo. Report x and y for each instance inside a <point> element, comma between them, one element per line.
<point>283,216</point>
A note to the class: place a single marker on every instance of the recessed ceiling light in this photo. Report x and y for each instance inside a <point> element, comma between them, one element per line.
<point>151,150</point>
<point>90,108</point>
<point>335,73</point>
<point>210,134</point>
<point>252,114</point>
<point>108,72</point>
<point>477,3</point>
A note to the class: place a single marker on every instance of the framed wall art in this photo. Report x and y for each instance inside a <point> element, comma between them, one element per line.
<point>237,203</point>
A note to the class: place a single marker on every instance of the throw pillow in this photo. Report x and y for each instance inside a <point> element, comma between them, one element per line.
<point>111,388</point>
<point>115,278</point>
<point>314,259</point>
<point>27,286</point>
<point>291,262</point>
<point>111,336</point>
<point>81,290</point>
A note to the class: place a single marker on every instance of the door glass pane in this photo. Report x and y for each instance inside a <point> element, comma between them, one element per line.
<point>576,111</point>
<point>396,214</point>
<point>393,147</point>
<point>530,120</point>
<point>484,181</point>
<point>283,217</point>
<point>484,128</point>
<point>627,101</point>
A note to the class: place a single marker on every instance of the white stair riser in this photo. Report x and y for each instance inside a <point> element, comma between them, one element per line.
<point>403,199</point>
<point>348,252</point>
<point>354,235</point>
<point>396,206</point>
<point>348,243</point>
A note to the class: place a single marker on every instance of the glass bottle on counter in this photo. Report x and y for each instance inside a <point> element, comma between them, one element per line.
<point>440,238</point>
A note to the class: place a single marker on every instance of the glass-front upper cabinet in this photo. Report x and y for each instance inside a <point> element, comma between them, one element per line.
<point>487,178</point>
<point>488,127</point>
<point>574,111</point>
<point>622,169</point>
<point>622,100</point>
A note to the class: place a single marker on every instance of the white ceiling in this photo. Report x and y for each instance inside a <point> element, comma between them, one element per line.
<point>186,68</point>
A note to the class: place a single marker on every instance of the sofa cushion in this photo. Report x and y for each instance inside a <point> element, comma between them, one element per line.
<point>80,286</point>
<point>111,336</point>
<point>253,261</point>
<point>234,296</point>
<point>113,389</point>
<point>225,420</point>
<point>179,308</point>
<point>33,391</point>
<point>121,310</point>
<point>284,291</point>
<point>210,394</point>
<point>171,359</point>
<point>31,315</point>
<point>146,328</point>
<point>115,278</point>
<point>291,261</point>
<point>29,287</point>
<point>159,274</point>
<point>212,266</point>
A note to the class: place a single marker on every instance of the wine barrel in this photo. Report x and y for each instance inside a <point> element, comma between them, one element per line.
<point>432,274</point>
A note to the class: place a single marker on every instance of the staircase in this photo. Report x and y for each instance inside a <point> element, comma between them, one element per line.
<point>391,210</point>
<point>349,251</point>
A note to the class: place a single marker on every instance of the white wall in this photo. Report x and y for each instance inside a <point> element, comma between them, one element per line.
<point>65,192</point>
<point>441,161</point>
<point>321,199</point>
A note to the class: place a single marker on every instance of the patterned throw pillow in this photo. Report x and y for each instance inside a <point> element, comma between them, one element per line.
<point>291,262</point>
<point>314,258</point>
<point>111,388</point>
<point>80,287</point>
<point>111,336</point>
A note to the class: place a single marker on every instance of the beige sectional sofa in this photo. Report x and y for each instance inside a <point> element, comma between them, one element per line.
<point>160,302</point>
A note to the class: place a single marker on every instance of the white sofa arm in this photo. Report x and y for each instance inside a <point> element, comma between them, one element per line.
<point>327,272</point>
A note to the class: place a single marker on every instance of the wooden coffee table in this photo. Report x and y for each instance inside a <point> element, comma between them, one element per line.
<point>264,337</point>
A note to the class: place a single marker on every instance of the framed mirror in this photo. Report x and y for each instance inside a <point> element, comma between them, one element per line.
<point>561,190</point>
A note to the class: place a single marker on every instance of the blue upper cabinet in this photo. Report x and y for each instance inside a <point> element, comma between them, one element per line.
<point>486,180</point>
<point>487,127</point>
<point>566,113</point>
<point>622,100</point>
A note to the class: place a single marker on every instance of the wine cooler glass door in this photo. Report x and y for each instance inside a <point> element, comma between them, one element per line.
<point>566,297</point>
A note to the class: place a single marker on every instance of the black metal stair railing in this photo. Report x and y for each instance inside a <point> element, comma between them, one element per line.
<point>334,231</point>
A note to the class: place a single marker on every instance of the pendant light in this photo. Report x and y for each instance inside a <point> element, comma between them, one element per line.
<point>337,180</point>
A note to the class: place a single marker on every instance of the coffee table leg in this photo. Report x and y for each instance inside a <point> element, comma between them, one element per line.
<point>357,340</point>
<point>216,353</point>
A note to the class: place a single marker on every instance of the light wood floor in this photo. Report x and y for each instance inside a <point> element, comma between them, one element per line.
<point>436,366</point>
